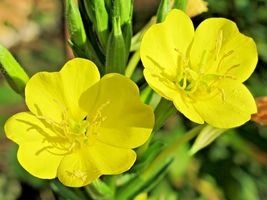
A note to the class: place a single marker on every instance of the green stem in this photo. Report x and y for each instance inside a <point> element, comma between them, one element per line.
<point>170,151</point>
<point>132,64</point>
<point>99,190</point>
<point>65,192</point>
<point>163,111</point>
<point>160,165</point>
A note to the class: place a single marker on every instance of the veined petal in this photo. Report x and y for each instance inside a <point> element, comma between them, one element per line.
<point>35,138</point>
<point>77,169</point>
<point>187,108</point>
<point>161,84</point>
<point>219,48</point>
<point>163,42</point>
<point>114,102</point>
<point>232,107</point>
<point>55,94</point>
<point>39,163</point>
<point>110,159</point>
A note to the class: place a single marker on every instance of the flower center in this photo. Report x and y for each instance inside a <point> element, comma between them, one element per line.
<point>70,135</point>
<point>201,82</point>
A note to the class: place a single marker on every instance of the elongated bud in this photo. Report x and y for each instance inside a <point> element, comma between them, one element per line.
<point>12,71</point>
<point>116,51</point>
<point>79,42</point>
<point>126,24</point>
<point>126,9</point>
<point>164,8</point>
<point>89,8</point>
<point>180,4</point>
<point>97,13</point>
<point>75,24</point>
<point>101,25</point>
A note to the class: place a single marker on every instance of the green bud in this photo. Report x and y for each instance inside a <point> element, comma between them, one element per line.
<point>12,71</point>
<point>116,52</point>
<point>207,135</point>
<point>89,8</point>
<point>180,4</point>
<point>163,10</point>
<point>126,9</point>
<point>79,42</point>
<point>101,23</point>
<point>75,24</point>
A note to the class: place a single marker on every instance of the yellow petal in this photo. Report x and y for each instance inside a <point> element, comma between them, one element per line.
<point>186,108</point>
<point>196,7</point>
<point>110,159</point>
<point>219,48</point>
<point>52,94</point>
<point>232,107</point>
<point>127,122</point>
<point>163,42</point>
<point>41,164</point>
<point>34,138</point>
<point>77,169</point>
<point>161,84</point>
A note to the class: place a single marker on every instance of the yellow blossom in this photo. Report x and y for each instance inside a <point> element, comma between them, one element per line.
<point>201,71</point>
<point>79,126</point>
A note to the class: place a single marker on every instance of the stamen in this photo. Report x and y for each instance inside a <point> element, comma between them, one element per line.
<point>231,68</point>
<point>218,45</point>
<point>78,174</point>
<point>221,90</point>
<point>222,58</point>
<point>201,62</point>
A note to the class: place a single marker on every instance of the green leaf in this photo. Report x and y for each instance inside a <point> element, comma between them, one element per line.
<point>99,190</point>
<point>12,71</point>
<point>148,156</point>
<point>205,137</point>
<point>144,181</point>
<point>65,192</point>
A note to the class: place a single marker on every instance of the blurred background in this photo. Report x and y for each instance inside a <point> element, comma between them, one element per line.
<point>233,167</point>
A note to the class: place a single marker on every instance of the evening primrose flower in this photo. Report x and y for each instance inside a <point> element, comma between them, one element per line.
<point>201,72</point>
<point>79,126</point>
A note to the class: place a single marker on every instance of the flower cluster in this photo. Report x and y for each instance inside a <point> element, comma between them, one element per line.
<point>80,126</point>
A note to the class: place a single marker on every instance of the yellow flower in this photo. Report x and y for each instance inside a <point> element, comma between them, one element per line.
<point>201,71</point>
<point>79,127</point>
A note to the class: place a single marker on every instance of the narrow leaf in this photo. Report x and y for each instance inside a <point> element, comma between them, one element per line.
<point>12,71</point>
